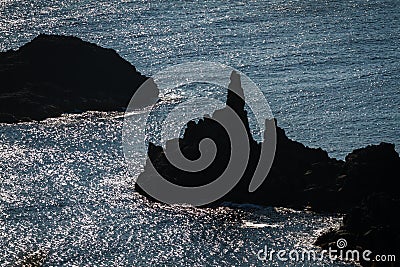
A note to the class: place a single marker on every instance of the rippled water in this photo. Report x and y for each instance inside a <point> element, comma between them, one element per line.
<point>65,191</point>
<point>330,70</point>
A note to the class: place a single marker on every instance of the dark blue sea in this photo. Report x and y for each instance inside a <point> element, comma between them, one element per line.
<point>330,71</point>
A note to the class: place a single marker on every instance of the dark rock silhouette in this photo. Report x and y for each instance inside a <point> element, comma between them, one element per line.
<point>54,74</point>
<point>369,190</point>
<point>371,225</point>
<point>300,177</point>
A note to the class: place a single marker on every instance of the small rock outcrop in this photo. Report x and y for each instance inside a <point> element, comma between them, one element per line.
<point>371,225</point>
<point>54,74</point>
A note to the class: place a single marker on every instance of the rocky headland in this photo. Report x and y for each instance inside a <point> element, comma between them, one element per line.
<point>55,74</point>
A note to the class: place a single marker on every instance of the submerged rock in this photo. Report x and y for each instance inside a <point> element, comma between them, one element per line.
<point>33,259</point>
<point>54,74</point>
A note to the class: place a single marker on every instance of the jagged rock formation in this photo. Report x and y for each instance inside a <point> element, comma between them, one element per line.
<point>54,74</point>
<point>300,177</point>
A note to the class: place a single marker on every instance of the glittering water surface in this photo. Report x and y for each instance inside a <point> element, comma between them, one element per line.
<point>65,191</point>
<point>330,70</point>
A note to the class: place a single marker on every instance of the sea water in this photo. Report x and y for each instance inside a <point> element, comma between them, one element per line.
<point>329,69</point>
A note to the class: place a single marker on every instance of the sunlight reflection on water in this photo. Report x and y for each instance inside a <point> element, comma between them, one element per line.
<point>65,192</point>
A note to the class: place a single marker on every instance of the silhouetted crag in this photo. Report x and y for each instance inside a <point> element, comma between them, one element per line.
<point>300,177</point>
<point>54,74</point>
